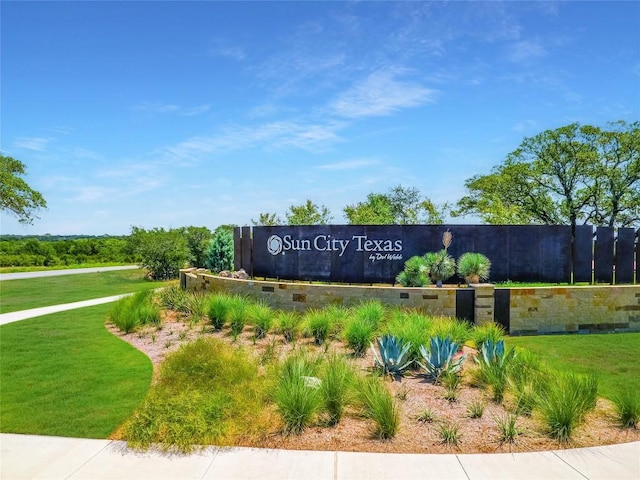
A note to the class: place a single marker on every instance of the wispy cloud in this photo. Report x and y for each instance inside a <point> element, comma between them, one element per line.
<point>307,136</point>
<point>165,108</point>
<point>354,164</point>
<point>37,144</point>
<point>526,51</point>
<point>382,93</point>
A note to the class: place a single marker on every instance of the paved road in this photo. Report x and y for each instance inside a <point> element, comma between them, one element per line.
<point>54,273</point>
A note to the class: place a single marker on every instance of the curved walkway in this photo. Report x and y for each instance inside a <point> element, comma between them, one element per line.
<point>30,457</point>
<point>68,271</point>
<point>41,457</point>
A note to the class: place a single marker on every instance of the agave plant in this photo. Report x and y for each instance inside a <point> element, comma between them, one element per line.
<point>392,355</point>
<point>493,353</point>
<point>439,357</point>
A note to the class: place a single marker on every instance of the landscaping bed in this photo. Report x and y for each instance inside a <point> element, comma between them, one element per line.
<point>427,421</point>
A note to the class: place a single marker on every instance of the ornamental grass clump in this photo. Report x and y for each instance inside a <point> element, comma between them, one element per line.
<point>358,334</point>
<point>486,331</point>
<point>133,311</point>
<point>627,409</point>
<point>288,325</point>
<point>219,306</point>
<point>207,392</point>
<point>459,331</point>
<point>380,406</point>
<point>337,387</point>
<point>565,401</point>
<point>261,316</point>
<point>411,327</point>
<point>493,364</point>
<point>317,324</point>
<point>297,394</point>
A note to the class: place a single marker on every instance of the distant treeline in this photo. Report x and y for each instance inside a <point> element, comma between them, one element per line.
<point>52,250</point>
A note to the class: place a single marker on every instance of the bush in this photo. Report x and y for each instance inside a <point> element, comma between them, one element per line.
<point>458,331</point>
<point>219,307</point>
<point>486,331</point>
<point>162,252</point>
<point>207,393</point>
<point>219,253</point>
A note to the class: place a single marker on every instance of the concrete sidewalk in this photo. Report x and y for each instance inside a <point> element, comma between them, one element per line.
<point>38,457</point>
<point>68,271</point>
<point>38,312</point>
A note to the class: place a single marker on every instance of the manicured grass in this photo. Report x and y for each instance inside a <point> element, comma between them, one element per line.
<point>28,293</point>
<point>614,357</point>
<point>65,374</point>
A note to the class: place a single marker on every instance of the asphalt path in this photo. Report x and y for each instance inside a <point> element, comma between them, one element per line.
<point>55,273</point>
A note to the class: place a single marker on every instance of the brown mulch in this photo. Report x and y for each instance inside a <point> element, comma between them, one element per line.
<point>414,394</point>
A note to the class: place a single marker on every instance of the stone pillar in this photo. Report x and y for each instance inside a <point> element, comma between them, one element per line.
<point>484,302</point>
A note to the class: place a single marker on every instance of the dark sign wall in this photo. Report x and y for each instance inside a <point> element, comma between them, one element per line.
<point>376,254</point>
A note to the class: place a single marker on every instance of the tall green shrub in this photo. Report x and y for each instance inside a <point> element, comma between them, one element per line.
<point>219,253</point>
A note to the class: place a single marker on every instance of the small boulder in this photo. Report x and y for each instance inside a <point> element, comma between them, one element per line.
<point>241,274</point>
<point>225,273</point>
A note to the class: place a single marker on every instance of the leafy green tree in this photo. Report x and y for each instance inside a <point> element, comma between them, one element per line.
<point>198,239</point>
<point>267,220</point>
<point>16,196</point>
<point>565,176</point>
<point>162,252</point>
<point>219,255</point>
<point>401,206</point>
<point>308,214</point>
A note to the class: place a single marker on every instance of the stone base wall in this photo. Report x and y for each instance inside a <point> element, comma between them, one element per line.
<point>531,310</point>
<point>574,309</point>
<point>302,296</point>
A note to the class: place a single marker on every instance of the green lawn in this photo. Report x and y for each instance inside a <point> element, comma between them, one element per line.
<point>41,292</point>
<point>613,357</point>
<point>65,374</point>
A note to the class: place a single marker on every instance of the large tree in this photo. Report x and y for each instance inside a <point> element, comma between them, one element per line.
<point>308,214</point>
<point>402,206</point>
<point>267,219</point>
<point>16,196</point>
<point>574,174</point>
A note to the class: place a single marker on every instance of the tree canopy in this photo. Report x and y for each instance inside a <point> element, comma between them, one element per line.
<point>308,214</point>
<point>574,174</point>
<point>403,206</point>
<point>16,196</point>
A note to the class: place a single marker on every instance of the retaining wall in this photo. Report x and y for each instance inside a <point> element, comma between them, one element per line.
<point>521,310</point>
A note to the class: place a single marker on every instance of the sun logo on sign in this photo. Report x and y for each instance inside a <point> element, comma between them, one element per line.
<point>274,244</point>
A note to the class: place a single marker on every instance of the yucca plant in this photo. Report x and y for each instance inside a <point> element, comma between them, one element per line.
<point>440,266</point>
<point>391,355</point>
<point>474,267</point>
<point>414,273</point>
<point>439,357</point>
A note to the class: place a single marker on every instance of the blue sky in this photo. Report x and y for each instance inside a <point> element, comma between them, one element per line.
<point>168,114</point>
